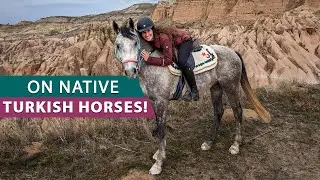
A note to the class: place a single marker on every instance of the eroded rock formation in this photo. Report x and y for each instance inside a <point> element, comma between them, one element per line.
<point>278,47</point>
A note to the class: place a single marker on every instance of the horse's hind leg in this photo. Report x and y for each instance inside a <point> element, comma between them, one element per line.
<point>216,97</point>
<point>233,95</point>
<point>160,108</point>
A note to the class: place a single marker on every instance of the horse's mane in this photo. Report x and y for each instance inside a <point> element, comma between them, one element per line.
<point>126,32</point>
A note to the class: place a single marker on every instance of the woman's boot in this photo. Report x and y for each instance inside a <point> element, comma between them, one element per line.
<point>193,95</point>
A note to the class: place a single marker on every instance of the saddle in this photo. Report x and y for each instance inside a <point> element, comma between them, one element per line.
<point>201,59</point>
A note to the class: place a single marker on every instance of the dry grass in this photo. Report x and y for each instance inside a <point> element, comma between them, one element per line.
<point>287,148</point>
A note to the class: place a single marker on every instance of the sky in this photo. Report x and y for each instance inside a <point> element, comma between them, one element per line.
<point>14,11</point>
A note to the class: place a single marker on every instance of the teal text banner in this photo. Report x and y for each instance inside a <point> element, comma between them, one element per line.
<point>69,86</point>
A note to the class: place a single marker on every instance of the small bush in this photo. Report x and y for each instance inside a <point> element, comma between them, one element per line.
<point>53,32</point>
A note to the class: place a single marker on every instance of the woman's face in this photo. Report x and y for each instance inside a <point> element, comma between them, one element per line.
<point>148,35</point>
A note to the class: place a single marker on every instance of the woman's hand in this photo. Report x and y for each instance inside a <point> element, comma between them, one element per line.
<point>145,55</point>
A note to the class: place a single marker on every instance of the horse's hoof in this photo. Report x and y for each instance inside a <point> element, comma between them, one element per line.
<point>205,146</point>
<point>155,156</point>
<point>155,169</point>
<point>234,149</point>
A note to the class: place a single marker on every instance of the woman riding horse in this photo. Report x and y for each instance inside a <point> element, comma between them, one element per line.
<point>165,39</point>
<point>159,85</point>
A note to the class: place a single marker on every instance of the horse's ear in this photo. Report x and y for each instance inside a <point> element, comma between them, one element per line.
<point>115,27</point>
<point>131,23</point>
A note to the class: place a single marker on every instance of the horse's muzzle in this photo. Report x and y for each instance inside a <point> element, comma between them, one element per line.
<point>131,73</point>
<point>130,67</point>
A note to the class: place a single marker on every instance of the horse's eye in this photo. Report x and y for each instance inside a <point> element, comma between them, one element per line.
<point>136,43</point>
<point>118,46</point>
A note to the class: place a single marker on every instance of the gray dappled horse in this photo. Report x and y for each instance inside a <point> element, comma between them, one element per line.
<point>159,85</point>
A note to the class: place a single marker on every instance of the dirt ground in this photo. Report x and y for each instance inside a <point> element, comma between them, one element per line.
<point>286,148</point>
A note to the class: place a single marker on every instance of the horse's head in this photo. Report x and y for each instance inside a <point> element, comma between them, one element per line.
<point>127,47</point>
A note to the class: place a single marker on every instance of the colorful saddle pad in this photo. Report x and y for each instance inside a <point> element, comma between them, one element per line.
<point>204,59</point>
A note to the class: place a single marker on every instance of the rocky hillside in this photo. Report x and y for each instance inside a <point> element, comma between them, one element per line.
<point>274,48</point>
<point>133,11</point>
<point>277,44</point>
<point>64,45</point>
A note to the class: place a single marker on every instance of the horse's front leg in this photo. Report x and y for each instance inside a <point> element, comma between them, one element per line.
<point>160,107</point>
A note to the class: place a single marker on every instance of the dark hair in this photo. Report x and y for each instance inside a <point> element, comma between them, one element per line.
<point>168,30</point>
<point>171,31</point>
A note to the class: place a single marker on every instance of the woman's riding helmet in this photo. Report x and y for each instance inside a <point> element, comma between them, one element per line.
<point>144,23</point>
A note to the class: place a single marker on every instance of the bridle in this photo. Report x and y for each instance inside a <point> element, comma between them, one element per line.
<point>138,60</point>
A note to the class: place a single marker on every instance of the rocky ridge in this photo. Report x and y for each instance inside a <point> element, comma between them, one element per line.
<point>133,11</point>
<point>182,11</point>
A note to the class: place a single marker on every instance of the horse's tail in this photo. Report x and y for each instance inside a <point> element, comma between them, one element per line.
<point>262,112</point>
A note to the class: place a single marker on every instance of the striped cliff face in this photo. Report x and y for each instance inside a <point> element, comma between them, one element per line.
<point>213,10</point>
